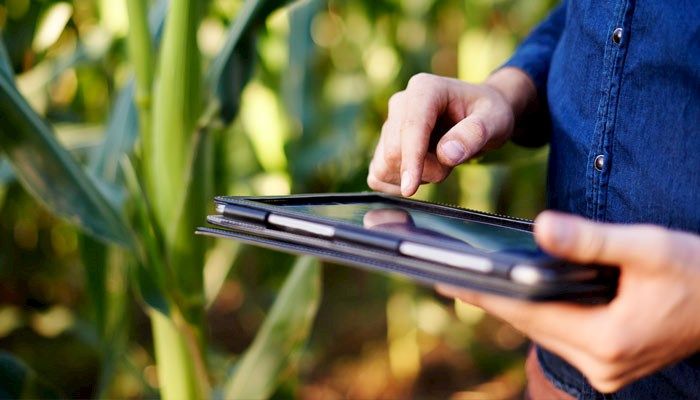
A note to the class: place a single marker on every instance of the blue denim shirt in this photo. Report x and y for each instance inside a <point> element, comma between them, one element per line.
<point>621,83</point>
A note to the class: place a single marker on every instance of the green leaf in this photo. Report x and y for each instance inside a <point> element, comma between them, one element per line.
<point>94,256</point>
<point>50,173</point>
<point>151,273</point>
<point>283,333</point>
<point>120,135</point>
<point>233,66</point>
<point>18,381</point>
<point>106,282</point>
<point>5,66</point>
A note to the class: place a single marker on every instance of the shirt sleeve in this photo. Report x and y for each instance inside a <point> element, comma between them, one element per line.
<point>534,56</point>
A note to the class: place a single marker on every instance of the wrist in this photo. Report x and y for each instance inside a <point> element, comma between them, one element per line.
<point>516,87</point>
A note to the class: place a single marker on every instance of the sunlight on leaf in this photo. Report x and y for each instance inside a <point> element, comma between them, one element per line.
<point>261,117</point>
<point>52,24</point>
<point>219,262</point>
<point>232,68</point>
<point>114,16</point>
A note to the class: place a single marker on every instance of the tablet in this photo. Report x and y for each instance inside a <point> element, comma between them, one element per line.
<point>429,242</point>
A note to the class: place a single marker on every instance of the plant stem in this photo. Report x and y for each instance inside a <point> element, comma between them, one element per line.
<point>176,107</point>
<point>174,173</point>
<point>141,56</point>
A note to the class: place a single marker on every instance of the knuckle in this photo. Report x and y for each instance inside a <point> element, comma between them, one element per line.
<point>392,156</point>
<point>395,100</point>
<point>591,245</point>
<point>613,350</point>
<point>411,123</point>
<point>667,249</point>
<point>411,127</point>
<point>421,80</point>
<point>477,130</point>
<point>388,130</point>
<point>381,172</point>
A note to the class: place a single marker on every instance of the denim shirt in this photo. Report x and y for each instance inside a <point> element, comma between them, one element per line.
<point>621,83</point>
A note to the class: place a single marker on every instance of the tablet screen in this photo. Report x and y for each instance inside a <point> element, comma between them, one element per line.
<point>396,218</point>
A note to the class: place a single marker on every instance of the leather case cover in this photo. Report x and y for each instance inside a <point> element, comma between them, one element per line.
<point>349,253</point>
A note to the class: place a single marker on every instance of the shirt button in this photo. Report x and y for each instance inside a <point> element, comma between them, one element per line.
<point>599,162</point>
<point>617,35</point>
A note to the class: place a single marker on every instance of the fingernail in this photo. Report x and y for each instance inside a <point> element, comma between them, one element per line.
<point>454,151</point>
<point>406,183</point>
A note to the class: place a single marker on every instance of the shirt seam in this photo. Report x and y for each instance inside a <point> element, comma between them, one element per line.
<point>603,113</point>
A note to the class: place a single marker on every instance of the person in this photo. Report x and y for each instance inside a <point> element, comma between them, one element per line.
<point>614,87</point>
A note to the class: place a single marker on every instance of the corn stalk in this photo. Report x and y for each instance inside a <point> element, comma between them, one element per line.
<point>169,188</point>
<point>173,154</point>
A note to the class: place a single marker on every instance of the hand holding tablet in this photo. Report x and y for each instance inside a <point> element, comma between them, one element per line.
<point>430,243</point>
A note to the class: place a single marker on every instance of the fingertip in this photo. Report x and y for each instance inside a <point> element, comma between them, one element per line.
<point>552,231</point>
<point>543,222</point>
<point>408,184</point>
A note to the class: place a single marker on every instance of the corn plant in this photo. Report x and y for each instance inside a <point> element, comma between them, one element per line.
<point>141,195</point>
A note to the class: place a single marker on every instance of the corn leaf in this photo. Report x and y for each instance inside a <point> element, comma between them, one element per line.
<point>151,275</point>
<point>18,381</point>
<point>120,135</point>
<point>50,173</point>
<point>282,334</point>
<point>233,66</point>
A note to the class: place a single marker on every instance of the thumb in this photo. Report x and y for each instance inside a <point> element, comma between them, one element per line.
<point>580,240</point>
<point>467,138</point>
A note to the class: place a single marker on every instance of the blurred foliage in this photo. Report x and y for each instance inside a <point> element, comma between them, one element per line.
<point>308,122</point>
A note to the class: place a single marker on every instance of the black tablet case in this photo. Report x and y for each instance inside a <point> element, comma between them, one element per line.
<point>349,253</point>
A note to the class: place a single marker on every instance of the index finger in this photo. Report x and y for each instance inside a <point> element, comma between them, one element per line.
<point>425,101</point>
